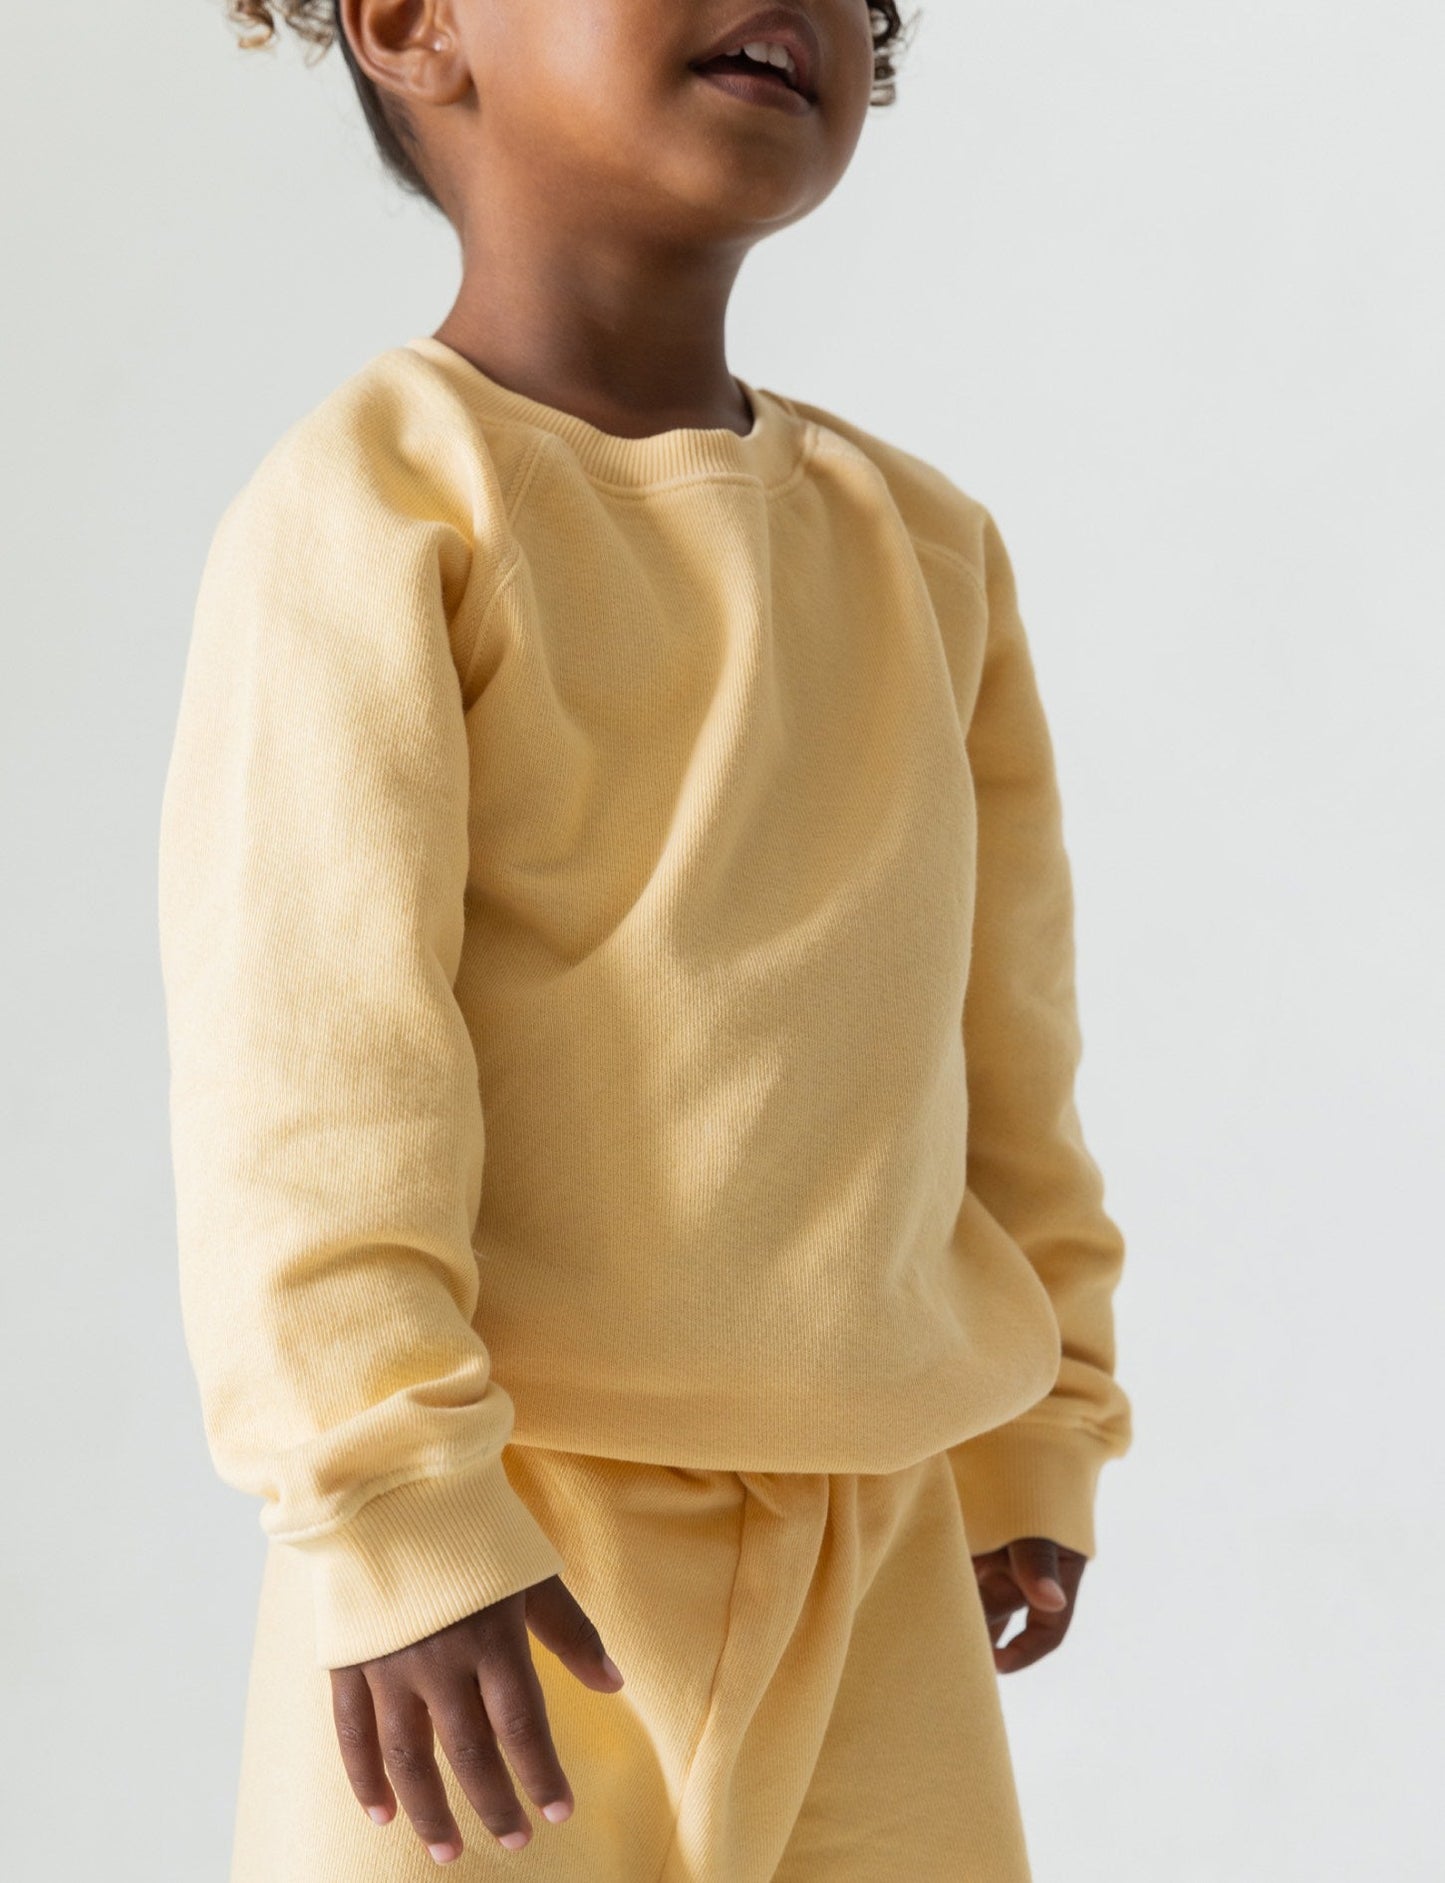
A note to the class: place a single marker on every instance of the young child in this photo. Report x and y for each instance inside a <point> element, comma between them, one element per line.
<point>617,939</point>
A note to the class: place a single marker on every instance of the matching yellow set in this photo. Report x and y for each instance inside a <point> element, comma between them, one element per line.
<point>618,951</point>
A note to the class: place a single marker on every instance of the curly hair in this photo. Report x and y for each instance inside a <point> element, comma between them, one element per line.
<point>317,24</point>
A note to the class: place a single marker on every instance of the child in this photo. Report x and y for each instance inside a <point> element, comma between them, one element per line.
<point>617,944</point>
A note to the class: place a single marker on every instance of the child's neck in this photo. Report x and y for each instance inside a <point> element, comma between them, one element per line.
<point>634,345</point>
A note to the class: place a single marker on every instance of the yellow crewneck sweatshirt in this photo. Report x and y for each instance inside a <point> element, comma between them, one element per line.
<point>618,956</point>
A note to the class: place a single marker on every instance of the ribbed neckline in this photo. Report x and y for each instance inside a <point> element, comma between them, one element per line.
<point>769,452</point>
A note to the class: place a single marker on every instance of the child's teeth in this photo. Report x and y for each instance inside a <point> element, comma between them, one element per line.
<point>768,54</point>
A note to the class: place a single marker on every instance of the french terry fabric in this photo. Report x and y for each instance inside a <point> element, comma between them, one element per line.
<point>618,955</point>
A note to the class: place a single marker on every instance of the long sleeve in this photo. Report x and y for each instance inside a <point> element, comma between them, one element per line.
<point>326,1121</point>
<point>1028,1163</point>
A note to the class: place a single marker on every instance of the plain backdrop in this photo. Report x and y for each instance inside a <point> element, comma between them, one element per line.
<point>1161,285</point>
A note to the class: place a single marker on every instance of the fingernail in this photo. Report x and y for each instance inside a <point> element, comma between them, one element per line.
<point>514,1840</point>
<point>558,1811</point>
<point>379,1813</point>
<point>1050,1587</point>
<point>445,1852</point>
<point>611,1669</point>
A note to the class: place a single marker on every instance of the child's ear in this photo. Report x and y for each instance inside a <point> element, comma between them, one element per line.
<point>410,48</point>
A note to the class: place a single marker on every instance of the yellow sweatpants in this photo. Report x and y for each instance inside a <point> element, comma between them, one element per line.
<point>810,1695</point>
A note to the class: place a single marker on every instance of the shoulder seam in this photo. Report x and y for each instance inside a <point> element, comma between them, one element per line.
<point>512,500</point>
<point>513,496</point>
<point>510,565</point>
<point>954,556</point>
<point>516,496</point>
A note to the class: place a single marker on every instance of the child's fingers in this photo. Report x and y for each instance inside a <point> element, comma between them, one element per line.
<point>469,1739</point>
<point>1039,1636</point>
<point>1034,1561</point>
<point>355,1717</point>
<point>1047,1579</point>
<point>404,1727</point>
<point>997,1589</point>
<point>473,1685</point>
<point>560,1623</point>
<point>517,1710</point>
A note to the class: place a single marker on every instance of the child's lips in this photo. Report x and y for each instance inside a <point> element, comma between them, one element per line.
<point>755,87</point>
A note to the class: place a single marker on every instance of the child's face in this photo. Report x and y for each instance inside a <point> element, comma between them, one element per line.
<point>593,110</point>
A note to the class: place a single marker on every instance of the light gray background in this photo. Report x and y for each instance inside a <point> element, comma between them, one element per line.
<point>1163,286</point>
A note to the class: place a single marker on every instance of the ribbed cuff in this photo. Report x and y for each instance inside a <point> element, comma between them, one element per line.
<point>420,1557</point>
<point>1025,1479</point>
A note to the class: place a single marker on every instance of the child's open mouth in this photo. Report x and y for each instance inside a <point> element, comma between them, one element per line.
<point>756,81</point>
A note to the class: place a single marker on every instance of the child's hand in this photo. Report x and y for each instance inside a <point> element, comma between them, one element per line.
<point>476,1683</point>
<point>1035,1573</point>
